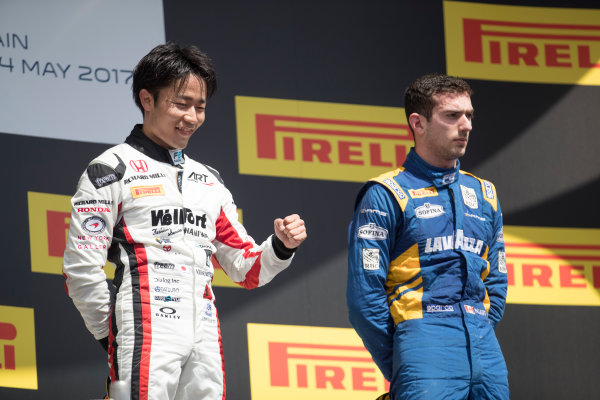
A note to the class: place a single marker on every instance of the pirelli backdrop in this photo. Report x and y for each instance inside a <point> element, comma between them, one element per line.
<point>309,105</point>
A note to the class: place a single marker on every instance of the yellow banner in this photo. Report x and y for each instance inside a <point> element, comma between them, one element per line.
<point>553,266</point>
<point>522,44</point>
<point>303,362</point>
<point>18,367</point>
<point>49,218</point>
<point>317,140</point>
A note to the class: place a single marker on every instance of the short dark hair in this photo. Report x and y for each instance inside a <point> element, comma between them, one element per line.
<point>169,64</point>
<point>418,97</point>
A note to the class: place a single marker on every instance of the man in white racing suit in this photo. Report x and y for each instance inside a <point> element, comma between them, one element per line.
<point>160,216</point>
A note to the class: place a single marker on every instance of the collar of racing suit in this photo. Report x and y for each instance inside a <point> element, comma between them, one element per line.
<point>439,176</point>
<point>142,143</point>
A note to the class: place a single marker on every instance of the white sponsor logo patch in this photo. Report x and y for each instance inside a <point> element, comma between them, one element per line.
<point>395,188</point>
<point>93,225</point>
<point>502,262</point>
<point>429,210</point>
<point>370,259</point>
<point>469,196</point>
<point>372,231</point>
<point>489,192</point>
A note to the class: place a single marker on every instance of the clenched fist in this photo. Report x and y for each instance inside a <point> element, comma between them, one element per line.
<point>290,230</point>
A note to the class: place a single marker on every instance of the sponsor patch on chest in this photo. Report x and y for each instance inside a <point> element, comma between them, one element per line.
<point>429,210</point>
<point>469,196</point>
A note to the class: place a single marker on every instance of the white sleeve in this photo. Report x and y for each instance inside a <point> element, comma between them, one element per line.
<point>245,262</point>
<point>93,215</point>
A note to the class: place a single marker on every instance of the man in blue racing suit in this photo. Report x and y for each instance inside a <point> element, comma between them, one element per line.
<point>427,271</point>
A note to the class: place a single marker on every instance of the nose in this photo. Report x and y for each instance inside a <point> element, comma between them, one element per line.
<point>466,123</point>
<point>191,116</point>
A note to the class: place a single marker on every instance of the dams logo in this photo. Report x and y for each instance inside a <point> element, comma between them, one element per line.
<point>523,44</point>
<point>17,348</point>
<point>316,140</point>
<point>300,362</point>
<point>553,266</point>
<point>49,218</point>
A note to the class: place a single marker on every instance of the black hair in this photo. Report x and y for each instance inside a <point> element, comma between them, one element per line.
<point>169,64</point>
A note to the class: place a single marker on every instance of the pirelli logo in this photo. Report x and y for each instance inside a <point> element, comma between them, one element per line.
<point>317,140</point>
<point>143,191</point>
<point>300,362</point>
<point>18,366</point>
<point>553,266</point>
<point>523,44</point>
<point>425,192</point>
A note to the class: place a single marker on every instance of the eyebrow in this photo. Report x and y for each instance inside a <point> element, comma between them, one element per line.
<point>189,98</point>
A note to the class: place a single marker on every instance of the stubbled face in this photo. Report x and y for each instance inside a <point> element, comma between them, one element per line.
<point>443,139</point>
<point>171,120</point>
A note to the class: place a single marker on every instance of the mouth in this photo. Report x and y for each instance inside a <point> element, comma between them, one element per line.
<point>184,131</point>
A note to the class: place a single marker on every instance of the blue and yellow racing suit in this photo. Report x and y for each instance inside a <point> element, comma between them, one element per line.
<point>427,281</point>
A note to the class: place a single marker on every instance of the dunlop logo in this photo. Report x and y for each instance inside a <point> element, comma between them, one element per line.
<point>316,140</point>
<point>525,44</point>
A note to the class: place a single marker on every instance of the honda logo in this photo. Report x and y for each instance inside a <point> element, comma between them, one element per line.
<point>139,165</point>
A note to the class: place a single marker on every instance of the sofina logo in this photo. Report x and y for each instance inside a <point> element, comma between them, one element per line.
<point>317,140</point>
<point>522,44</point>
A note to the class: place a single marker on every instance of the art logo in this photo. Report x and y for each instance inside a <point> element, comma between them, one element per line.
<point>49,218</point>
<point>300,362</point>
<point>553,266</point>
<point>522,44</point>
<point>18,367</point>
<point>316,140</point>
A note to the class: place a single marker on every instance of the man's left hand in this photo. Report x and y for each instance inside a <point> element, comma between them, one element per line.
<point>290,230</point>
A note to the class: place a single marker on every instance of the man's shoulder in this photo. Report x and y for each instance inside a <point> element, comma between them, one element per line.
<point>212,172</point>
<point>487,187</point>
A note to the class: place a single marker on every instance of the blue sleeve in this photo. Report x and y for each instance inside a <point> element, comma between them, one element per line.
<point>371,237</point>
<point>497,281</point>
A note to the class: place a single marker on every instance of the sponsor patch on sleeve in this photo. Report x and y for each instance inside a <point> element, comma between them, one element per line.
<point>502,262</point>
<point>370,259</point>
<point>372,232</point>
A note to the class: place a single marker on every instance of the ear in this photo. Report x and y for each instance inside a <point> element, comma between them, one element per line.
<point>146,99</point>
<point>417,123</point>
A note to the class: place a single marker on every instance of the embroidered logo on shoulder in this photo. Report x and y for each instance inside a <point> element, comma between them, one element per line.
<point>372,231</point>
<point>392,183</point>
<point>370,259</point>
<point>489,190</point>
<point>372,210</point>
<point>428,210</point>
<point>199,178</point>
<point>143,191</point>
<point>424,192</point>
<point>469,196</point>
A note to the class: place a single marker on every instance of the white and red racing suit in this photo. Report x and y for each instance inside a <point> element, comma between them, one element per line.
<point>159,216</point>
